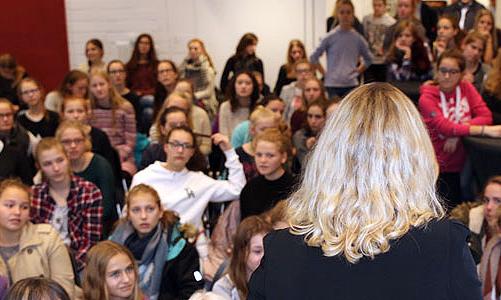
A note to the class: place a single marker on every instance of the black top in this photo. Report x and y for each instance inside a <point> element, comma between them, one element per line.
<point>15,164</point>
<point>102,146</point>
<point>261,194</point>
<point>431,263</point>
<point>135,100</point>
<point>236,64</point>
<point>47,126</point>
<point>494,105</point>
<point>455,10</point>
<point>248,163</point>
<point>282,80</point>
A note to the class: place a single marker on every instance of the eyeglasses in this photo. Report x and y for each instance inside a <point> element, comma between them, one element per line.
<point>69,142</point>
<point>445,71</point>
<point>6,115</point>
<point>183,146</point>
<point>302,71</point>
<point>165,71</point>
<point>29,92</point>
<point>115,72</point>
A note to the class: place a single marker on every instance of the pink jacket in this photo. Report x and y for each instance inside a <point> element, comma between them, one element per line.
<point>472,111</point>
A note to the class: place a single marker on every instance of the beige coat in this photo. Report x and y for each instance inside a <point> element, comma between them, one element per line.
<point>41,253</point>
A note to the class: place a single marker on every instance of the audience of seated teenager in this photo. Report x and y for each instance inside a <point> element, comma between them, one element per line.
<point>38,120</point>
<point>199,68</point>
<point>375,26</point>
<point>75,84</point>
<point>449,35</point>
<point>292,93</point>
<point>408,56</point>
<point>273,183</point>
<point>168,263</point>
<point>111,273</point>
<point>91,167</point>
<point>286,73</point>
<point>73,206</point>
<point>452,108</point>
<point>485,24</point>
<point>244,59</point>
<point>29,250</point>
<point>304,139</point>
<point>241,98</point>
<point>115,116</point>
<point>344,48</point>
<point>241,133</point>
<point>473,46</point>
<point>167,76</point>
<point>245,258</point>
<point>94,52</point>
<point>198,116</point>
<point>406,10</point>
<point>260,120</point>
<point>118,75</point>
<point>35,288</point>
<point>313,91</point>
<point>10,75</point>
<point>464,11</point>
<point>492,90</point>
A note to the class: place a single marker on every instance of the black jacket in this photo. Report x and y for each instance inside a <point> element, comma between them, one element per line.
<point>431,263</point>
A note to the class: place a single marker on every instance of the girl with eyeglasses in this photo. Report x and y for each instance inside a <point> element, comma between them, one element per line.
<point>90,166</point>
<point>452,108</point>
<point>38,120</point>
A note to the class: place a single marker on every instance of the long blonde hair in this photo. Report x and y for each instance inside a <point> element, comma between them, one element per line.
<point>116,100</point>
<point>98,257</point>
<point>370,178</point>
<point>493,82</point>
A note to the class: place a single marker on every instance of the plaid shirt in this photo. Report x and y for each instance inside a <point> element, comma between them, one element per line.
<point>84,216</point>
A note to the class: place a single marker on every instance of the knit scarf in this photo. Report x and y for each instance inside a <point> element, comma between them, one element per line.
<point>153,258</point>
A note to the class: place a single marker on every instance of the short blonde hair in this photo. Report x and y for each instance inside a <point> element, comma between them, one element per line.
<point>261,113</point>
<point>370,178</point>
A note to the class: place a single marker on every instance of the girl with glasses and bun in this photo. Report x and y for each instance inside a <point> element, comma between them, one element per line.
<point>452,108</point>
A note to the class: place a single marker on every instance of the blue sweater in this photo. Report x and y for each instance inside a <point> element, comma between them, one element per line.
<point>343,48</point>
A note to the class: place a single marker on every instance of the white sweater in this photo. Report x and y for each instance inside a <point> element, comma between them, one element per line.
<point>188,192</point>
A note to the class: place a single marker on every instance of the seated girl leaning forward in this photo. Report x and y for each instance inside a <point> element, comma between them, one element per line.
<point>26,249</point>
<point>111,273</point>
<point>67,202</point>
<point>246,257</point>
<point>168,263</point>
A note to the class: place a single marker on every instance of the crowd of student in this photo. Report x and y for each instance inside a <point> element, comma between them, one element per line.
<point>184,181</point>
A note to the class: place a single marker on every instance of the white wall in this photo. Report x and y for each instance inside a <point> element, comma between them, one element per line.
<point>219,23</point>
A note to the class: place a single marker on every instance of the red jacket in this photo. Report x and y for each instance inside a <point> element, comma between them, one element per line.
<point>472,111</point>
